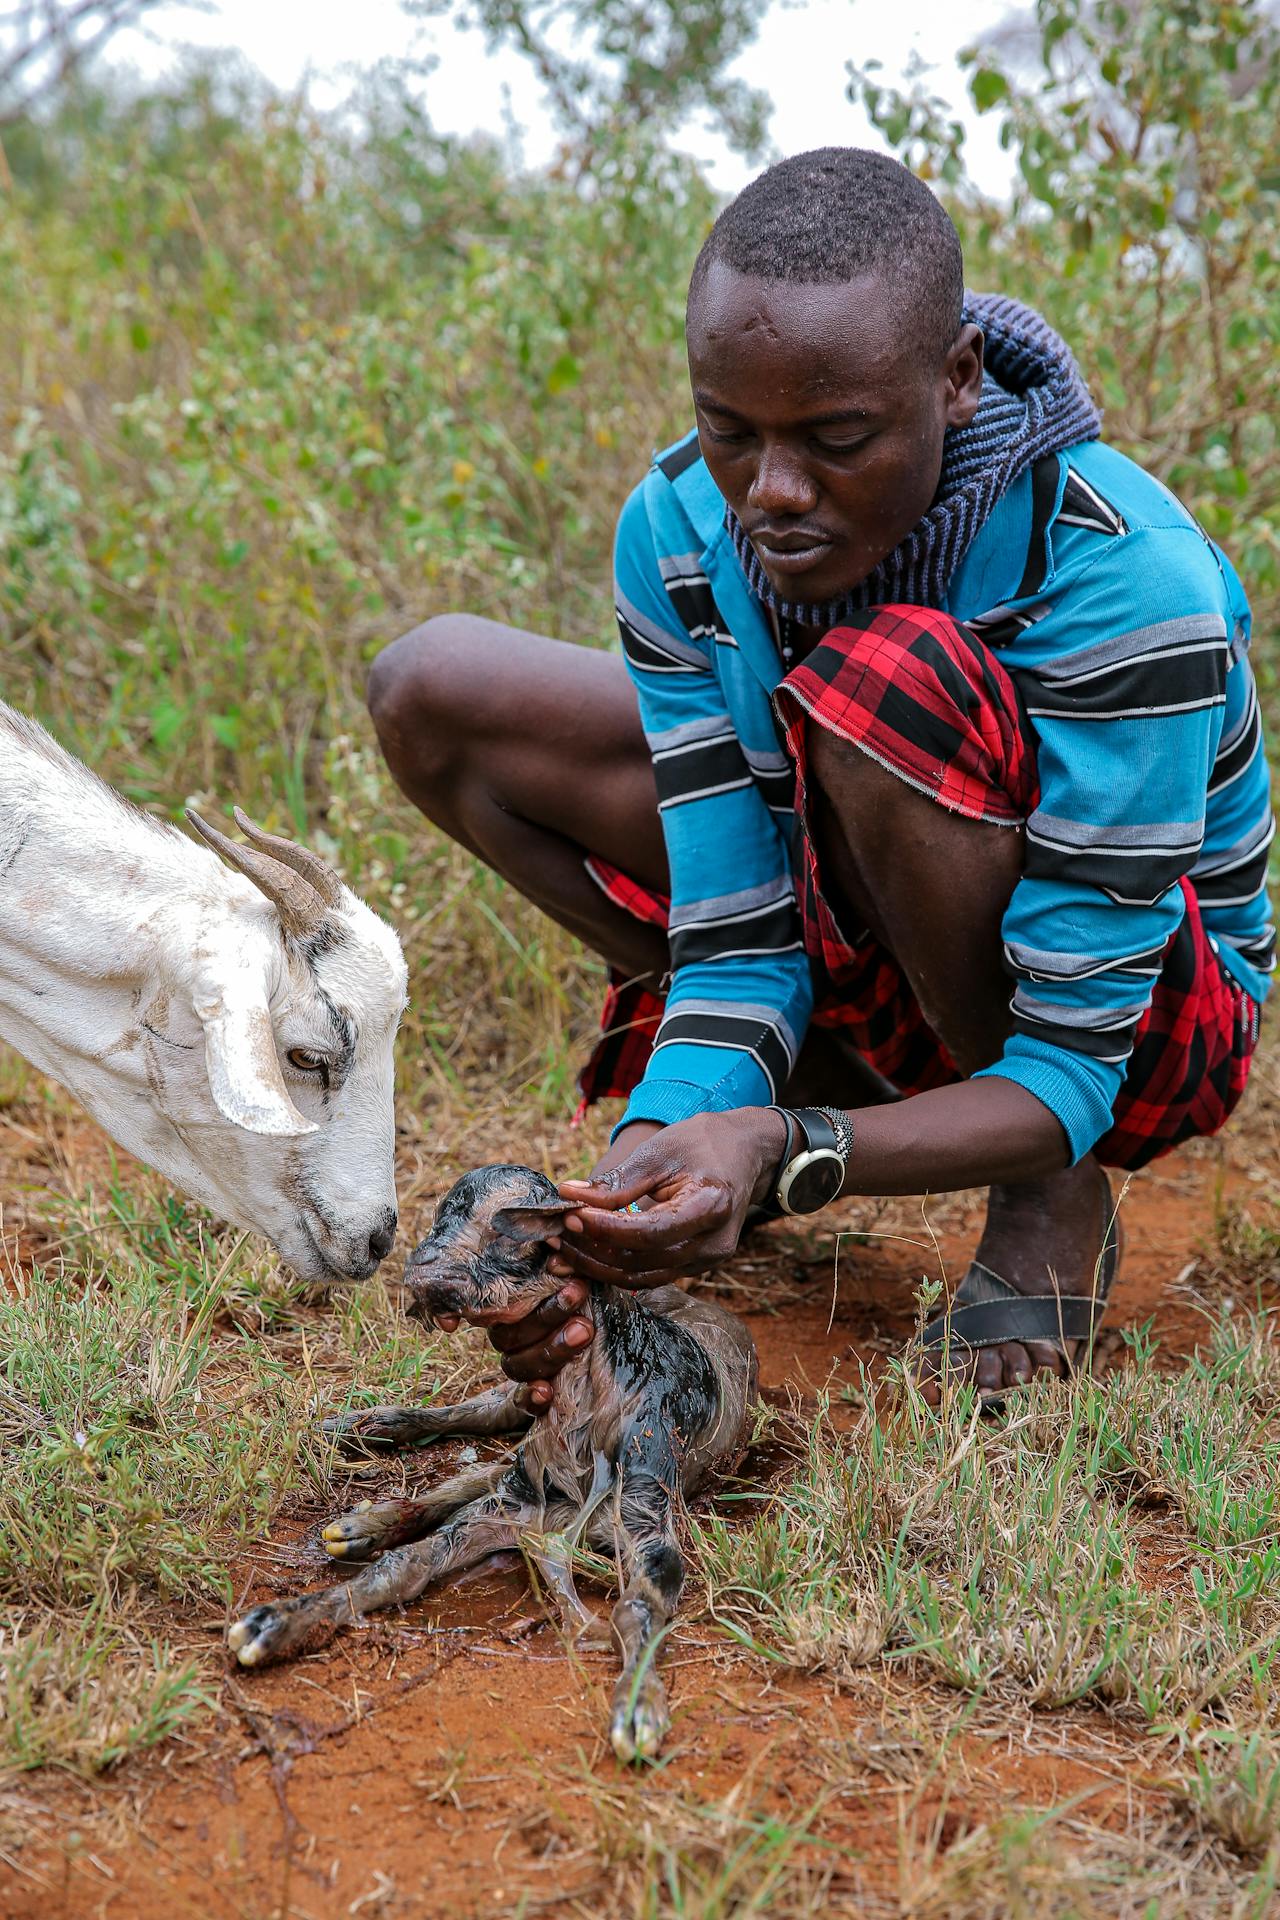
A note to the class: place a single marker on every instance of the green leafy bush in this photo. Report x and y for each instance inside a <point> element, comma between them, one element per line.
<point>1145,223</point>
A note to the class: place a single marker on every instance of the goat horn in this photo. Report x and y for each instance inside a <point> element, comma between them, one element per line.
<point>312,868</point>
<point>301,908</point>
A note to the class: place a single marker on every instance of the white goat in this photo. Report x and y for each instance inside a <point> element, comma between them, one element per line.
<point>234,1030</point>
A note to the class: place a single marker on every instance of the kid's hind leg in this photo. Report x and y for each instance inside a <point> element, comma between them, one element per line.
<point>377,1524</point>
<point>550,1552</point>
<point>381,1429</point>
<point>640,1720</point>
<point>281,1628</point>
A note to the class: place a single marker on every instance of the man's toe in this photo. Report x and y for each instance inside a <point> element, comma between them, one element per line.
<point>1045,1357</point>
<point>989,1370</point>
<point>1017,1363</point>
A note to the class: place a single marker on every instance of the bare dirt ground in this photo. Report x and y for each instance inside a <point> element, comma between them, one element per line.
<point>452,1761</point>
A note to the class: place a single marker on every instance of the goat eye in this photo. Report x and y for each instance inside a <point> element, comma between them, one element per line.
<point>306,1061</point>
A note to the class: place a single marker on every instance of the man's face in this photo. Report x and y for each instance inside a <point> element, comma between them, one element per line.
<point>820,428</point>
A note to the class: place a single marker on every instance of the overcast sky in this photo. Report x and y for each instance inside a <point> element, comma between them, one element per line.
<point>798,59</point>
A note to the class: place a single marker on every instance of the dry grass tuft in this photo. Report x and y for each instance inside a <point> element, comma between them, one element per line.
<point>86,1694</point>
<point>1032,1864</point>
<point>655,1852</point>
<point>160,1400</point>
<point>1234,1787</point>
<point>1007,1558</point>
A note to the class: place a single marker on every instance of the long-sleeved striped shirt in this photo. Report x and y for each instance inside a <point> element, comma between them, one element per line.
<point>1127,632</point>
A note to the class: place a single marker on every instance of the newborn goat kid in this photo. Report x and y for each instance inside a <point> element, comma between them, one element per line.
<point>660,1399</point>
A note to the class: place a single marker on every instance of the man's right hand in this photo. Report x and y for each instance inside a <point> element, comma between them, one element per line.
<point>534,1349</point>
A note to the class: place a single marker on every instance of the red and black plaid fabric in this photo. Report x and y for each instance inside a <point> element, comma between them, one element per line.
<point>931,703</point>
<point>630,1015</point>
<point>928,700</point>
<point>1192,1054</point>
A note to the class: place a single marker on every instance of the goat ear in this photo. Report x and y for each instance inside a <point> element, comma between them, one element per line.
<point>244,1069</point>
<point>532,1222</point>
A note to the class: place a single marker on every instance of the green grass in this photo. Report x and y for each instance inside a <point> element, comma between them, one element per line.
<point>161,1388</point>
<point>85,1695</point>
<point>277,392</point>
<point>1008,1558</point>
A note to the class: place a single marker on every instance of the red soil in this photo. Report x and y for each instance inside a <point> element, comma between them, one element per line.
<point>443,1762</point>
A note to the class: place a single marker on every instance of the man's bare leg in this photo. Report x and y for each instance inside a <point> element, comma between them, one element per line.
<point>938,909</point>
<point>529,752</point>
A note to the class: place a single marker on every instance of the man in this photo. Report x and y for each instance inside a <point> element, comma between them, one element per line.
<point>926,692</point>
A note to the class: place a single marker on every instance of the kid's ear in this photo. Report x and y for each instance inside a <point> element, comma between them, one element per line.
<point>532,1222</point>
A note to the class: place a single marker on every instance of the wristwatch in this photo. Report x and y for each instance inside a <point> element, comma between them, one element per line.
<point>812,1169</point>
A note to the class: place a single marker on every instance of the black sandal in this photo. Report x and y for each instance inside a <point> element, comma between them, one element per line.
<point>987,1312</point>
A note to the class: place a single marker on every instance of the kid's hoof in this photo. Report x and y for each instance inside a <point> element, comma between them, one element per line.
<point>261,1636</point>
<point>364,1531</point>
<point>638,1731</point>
<point>375,1525</point>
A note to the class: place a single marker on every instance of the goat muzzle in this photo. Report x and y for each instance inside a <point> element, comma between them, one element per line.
<point>432,1288</point>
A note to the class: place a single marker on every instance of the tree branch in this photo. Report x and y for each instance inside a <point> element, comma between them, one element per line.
<point>56,39</point>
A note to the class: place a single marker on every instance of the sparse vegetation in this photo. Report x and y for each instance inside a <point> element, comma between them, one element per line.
<point>160,1389</point>
<point>1013,1559</point>
<point>277,390</point>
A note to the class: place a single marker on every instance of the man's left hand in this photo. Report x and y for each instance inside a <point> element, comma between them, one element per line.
<point>694,1180</point>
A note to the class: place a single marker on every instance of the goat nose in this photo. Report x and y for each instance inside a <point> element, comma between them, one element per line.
<point>382,1239</point>
<point>429,1297</point>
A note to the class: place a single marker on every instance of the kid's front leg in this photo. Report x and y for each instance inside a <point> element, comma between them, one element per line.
<point>282,1628</point>
<point>383,1429</point>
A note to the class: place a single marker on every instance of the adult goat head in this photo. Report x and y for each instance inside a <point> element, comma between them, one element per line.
<point>231,1024</point>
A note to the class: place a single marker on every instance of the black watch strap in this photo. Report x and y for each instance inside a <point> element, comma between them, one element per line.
<point>816,1126</point>
<point>811,1171</point>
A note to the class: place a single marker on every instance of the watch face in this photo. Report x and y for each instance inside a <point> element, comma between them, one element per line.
<point>815,1183</point>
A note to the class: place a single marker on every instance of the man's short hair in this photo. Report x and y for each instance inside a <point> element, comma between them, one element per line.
<point>840,214</point>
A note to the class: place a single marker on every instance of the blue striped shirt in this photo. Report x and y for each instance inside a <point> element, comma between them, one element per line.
<point>1127,632</point>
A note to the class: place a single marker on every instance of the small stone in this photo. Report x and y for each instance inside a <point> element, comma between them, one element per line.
<point>468,1457</point>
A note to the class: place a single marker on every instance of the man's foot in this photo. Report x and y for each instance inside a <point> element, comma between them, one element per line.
<point>1042,1238</point>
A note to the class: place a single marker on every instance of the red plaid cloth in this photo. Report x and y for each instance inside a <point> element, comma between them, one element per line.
<point>930,702</point>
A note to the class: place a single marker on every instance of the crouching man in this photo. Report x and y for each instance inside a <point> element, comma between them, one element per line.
<point>926,694</point>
